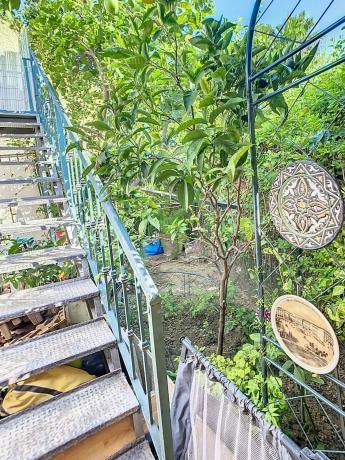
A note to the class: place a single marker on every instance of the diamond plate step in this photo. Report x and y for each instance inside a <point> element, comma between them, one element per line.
<point>28,180</point>
<point>16,159</point>
<point>23,162</point>
<point>32,201</point>
<point>25,226</point>
<point>19,124</point>
<point>20,136</point>
<point>141,451</point>
<point>21,360</point>
<point>54,425</point>
<point>32,259</point>
<point>26,149</point>
<point>17,117</point>
<point>20,303</point>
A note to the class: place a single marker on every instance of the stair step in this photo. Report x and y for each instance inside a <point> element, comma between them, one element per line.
<point>19,124</point>
<point>20,303</point>
<point>141,451</point>
<point>25,226</point>
<point>54,425</point>
<point>26,148</point>
<point>20,136</point>
<point>23,359</point>
<point>28,180</point>
<point>32,201</point>
<point>32,259</point>
<point>23,162</point>
<point>13,159</point>
<point>17,117</point>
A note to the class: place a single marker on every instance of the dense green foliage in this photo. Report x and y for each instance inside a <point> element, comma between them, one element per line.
<point>244,370</point>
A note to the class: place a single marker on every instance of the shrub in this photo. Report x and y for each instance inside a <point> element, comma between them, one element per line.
<point>245,372</point>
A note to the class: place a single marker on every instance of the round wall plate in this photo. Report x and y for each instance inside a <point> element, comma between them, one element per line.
<point>306,205</point>
<point>305,334</point>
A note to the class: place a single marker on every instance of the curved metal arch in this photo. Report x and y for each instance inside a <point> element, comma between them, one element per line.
<point>251,105</point>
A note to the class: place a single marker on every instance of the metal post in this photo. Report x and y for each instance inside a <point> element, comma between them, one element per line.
<point>255,193</point>
<point>160,377</point>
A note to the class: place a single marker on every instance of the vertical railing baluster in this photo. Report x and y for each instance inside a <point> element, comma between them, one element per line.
<point>145,347</point>
<point>93,227</point>
<point>78,186</point>
<point>70,196</point>
<point>87,217</point>
<point>104,272</point>
<point>113,279</point>
<point>74,191</point>
<point>129,329</point>
<point>154,307</point>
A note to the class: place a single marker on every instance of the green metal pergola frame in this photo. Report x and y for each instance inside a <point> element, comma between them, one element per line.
<point>252,104</point>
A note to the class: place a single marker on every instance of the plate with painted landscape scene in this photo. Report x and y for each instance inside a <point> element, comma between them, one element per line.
<point>305,334</point>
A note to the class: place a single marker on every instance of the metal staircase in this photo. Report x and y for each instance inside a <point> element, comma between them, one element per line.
<point>73,417</point>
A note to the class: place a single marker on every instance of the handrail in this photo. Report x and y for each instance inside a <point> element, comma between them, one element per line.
<point>110,253</point>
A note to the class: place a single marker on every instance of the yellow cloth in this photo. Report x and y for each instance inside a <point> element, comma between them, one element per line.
<point>41,387</point>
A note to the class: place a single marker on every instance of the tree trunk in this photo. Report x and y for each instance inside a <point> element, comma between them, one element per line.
<point>223,290</point>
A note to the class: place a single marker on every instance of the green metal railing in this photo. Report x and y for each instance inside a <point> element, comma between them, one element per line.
<point>129,296</point>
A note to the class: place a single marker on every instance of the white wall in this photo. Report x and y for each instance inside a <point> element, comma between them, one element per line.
<point>12,87</point>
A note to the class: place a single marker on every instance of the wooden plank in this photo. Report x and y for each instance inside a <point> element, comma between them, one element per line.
<point>103,444</point>
<point>5,331</point>
<point>35,318</point>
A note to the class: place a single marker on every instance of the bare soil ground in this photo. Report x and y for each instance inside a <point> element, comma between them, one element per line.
<point>188,274</point>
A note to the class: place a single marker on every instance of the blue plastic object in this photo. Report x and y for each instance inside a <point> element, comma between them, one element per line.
<point>154,248</point>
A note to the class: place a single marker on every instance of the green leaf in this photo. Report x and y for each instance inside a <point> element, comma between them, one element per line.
<point>288,364</point>
<point>73,145</point>
<point>201,42</point>
<point>304,63</point>
<point>200,161</point>
<point>111,6</point>
<point>193,135</point>
<point>338,290</point>
<point>255,337</point>
<point>187,124</point>
<point>148,120</point>
<point>155,165</point>
<point>205,86</point>
<point>219,75</point>
<point>258,49</point>
<point>228,105</point>
<point>185,193</point>
<point>206,101</point>
<point>226,40</point>
<point>278,104</point>
<point>100,125</point>
<point>142,227</point>
<point>88,169</point>
<point>117,53</point>
<point>14,4</point>
<point>193,150</point>
<point>236,160</point>
<point>189,98</point>
<point>137,62</point>
<point>154,222</point>
<point>76,130</point>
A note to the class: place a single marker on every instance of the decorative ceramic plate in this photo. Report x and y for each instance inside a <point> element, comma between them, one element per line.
<point>306,205</point>
<point>305,334</point>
